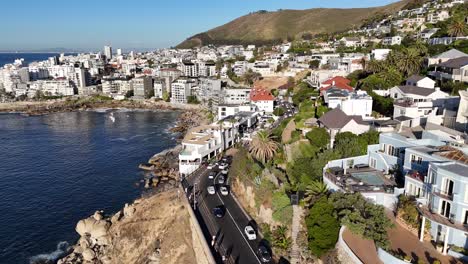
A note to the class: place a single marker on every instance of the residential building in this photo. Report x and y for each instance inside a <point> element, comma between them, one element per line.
<point>181,89</point>
<point>225,110</point>
<point>445,56</point>
<point>263,99</point>
<point>336,121</point>
<point>435,17</point>
<point>210,92</point>
<point>337,82</point>
<point>390,41</point>
<point>380,54</point>
<point>159,87</point>
<point>205,142</point>
<point>233,95</point>
<point>108,52</point>
<point>143,87</point>
<point>357,103</point>
<point>420,81</point>
<point>455,70</point>
<point>462,113</point>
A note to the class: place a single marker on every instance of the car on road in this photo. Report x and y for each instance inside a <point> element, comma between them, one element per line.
<point>211,189</point>
<point>221,179</point>
<point>211,175</point>
<point>263,253</point>
<point>223,166</point>
<point>225,171</point>
<point>224,190</point>
<point>211,166</point>
<point>219,211</point>
<point>250,233</point>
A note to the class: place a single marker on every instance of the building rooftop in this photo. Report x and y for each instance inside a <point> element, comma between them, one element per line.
<point>451,54</point>
<point>407,89</point>
<point>336,118</point>
<point>455,63</point>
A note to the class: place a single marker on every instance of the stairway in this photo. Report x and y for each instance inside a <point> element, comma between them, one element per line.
<point>296,226</point>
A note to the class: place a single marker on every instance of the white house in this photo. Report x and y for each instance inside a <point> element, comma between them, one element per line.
<point>225,110</point>
<point>380,54</point>
<point>445,56</point>
<point>336,121</point>
<point>390,41</point>
<point>263,100</point>
<point>420,81</point>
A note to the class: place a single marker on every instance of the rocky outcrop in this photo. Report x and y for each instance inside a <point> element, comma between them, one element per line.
<point>151,230</point>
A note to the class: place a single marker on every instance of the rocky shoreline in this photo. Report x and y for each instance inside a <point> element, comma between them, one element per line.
<point>101,235</point>
<point>32,108</point>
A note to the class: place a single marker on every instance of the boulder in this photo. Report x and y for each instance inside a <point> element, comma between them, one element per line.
<point>95,229</point>
<point>98,215</point>
<point>116,217</point>
<point>129,210</point>
<point>88,255</point>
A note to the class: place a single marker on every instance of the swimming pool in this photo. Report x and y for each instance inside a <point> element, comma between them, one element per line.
<point>368,177</point>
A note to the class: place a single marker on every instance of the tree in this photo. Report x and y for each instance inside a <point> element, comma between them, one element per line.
<point>192,99</point>
<point>457,27</point>
<point>362,217</point>
<point>322,227</point>
<point>408,61</point>
<point>129,94</point>
<point>166,96</point>
<point>315,191</point>
<point>263,147</point>
<point>375,66</point>
<point>314,64</point>
<point>279,111</point>
<point>318,137</point>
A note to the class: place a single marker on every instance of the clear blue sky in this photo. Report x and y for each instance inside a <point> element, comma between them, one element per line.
<point>90,24</point>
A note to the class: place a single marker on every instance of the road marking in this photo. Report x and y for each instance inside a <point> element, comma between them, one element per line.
<point>242,234</point>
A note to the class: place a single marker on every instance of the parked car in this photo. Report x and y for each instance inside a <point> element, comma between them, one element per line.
<point>219,211</point>
<point>224,190</point>
<point>250,233</point>
<point>264,254</point>
<point>211,189</point>
<point>221,179</point>
<point>211,166</point>
<point>225,171</point>
<point>223,166</point>
<point>211,175</point>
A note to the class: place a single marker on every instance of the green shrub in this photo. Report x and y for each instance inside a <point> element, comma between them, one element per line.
<point>282,209</point>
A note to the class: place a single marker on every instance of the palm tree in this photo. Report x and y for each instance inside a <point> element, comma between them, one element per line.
<point>408,61</point>
<point>457,27</point>
<point>263,147</point>
<point>315,191</point>
<point>375,66</point>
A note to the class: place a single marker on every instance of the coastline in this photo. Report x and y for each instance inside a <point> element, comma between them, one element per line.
<point>86,103</point>
<point>161,181</point>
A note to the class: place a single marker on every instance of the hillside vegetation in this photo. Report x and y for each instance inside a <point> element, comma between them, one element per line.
<point>265,27</point>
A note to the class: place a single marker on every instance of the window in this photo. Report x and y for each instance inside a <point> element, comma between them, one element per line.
<point>466,193</point>
<point>465,217</point>
<point>373,163</point>
<point>445,208</point>
<point>447,186</point>
<point>416,159</point>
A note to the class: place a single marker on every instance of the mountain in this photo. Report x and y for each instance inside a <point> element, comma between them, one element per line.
<point>265,27</point>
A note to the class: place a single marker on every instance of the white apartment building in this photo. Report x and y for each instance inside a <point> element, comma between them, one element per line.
<point>357,103</point>
<point>263,99</point>
<point>236,95</point>
<point>180,90</point>
<point>390,41</point>
<point>108,52</point>
<point>225,110</point>
<point>116,87</point>
<point>53,87</point>
<point>380,54</point>
<point>159,87</point>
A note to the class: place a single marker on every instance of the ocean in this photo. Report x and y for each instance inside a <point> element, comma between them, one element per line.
<point>59,168</point>
<point>28,57</point>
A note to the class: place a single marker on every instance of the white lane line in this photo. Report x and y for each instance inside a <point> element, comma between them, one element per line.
<point>240,231</point>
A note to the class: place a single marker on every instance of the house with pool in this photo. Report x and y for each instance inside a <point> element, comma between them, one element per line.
<point>433,162</point>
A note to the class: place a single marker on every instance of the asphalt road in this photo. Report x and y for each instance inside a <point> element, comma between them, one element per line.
<point>228,232</point>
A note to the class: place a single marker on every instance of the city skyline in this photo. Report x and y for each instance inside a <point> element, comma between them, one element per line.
<point>145,26</point>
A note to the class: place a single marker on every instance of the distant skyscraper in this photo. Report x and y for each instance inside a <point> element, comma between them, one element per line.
<point>108,52</point>
<point>119,52</point>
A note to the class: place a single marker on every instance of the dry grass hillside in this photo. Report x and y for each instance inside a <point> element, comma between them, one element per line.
<point>267,27</point>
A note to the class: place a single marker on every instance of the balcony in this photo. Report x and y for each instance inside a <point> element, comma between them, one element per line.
<point>433,216</point>
<point>415,175</point>
<point>443,194</point>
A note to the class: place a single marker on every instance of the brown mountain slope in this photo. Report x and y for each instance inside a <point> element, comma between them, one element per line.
<point>267,27</point>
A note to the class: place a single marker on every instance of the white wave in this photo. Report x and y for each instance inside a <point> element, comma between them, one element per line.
<point>119,139</point>
<point>62,249</point>
<point>101,110</point>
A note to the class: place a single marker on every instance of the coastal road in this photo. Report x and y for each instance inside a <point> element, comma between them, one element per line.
<point>228,232</point>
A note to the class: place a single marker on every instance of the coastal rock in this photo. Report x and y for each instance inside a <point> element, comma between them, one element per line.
<point>88,255</point>
<point>95,229</point>
<point>116,217</point>
<point>128,210</point>
<point>98,215</point>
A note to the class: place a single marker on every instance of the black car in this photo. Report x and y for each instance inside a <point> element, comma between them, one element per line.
<point>264,254</point>
<point>219,211</point>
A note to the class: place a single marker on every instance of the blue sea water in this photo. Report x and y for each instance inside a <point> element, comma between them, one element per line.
<point>59,168</point>
<point>28,57</point>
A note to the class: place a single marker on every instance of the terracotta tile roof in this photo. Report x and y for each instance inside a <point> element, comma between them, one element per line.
<point>337,79</point>
<point>337,82</point>
<point>261,95</point>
